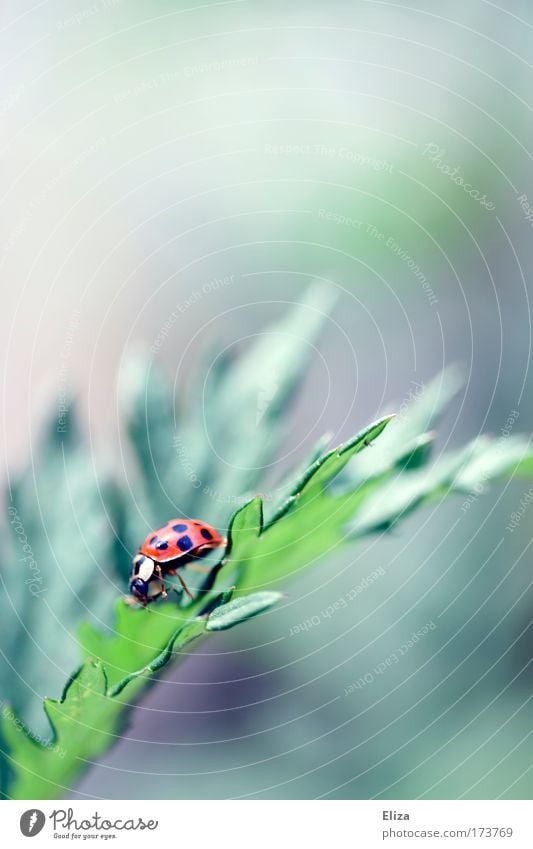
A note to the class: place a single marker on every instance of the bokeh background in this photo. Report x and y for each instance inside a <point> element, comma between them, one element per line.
<point>208,162</point>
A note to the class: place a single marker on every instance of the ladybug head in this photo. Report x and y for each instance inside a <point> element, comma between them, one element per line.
<point>139,589</point>
<point>143,570</point>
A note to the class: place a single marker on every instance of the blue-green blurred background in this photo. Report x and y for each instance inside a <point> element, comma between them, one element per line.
<point>208,162</point>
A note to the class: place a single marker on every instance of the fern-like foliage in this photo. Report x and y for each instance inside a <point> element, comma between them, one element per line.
<point>365,486</point>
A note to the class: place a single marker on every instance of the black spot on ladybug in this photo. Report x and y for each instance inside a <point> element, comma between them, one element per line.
<point>153,540</point>
<point>161,546</point>
<point>185,543</point>
<point>206,534</point>
<point>179,528</point>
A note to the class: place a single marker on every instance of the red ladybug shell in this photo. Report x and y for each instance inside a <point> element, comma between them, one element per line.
<point>180,538</point>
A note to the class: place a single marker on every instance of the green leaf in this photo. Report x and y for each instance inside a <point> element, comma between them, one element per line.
<point>418,413</point>
<point>90,713</point>
<point>307,526</point>
<point>182,636</point>
<point>241,609</point>
<point>203,463</point>
<point>331,464</point>
<point>402,493</point>
<point>341,494</point>
<point>84,723</point>
<point>468,470</point>
<point>245,526</point>
<point>418,453</point>
<point>61,560</point>
<point>326,467</point>
<point>275,500</point>
<point>236,424</point>
<point>491,459</point>
<point>65,508</point>
<point>133,639</point>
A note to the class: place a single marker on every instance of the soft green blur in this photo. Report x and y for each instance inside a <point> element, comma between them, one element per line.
<point>205,163</point>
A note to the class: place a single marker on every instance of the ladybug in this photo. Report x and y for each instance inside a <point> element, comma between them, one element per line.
<point>173,546</point>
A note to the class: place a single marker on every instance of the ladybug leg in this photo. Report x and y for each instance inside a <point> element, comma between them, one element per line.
<point>159,574</point>
<point>194,567</point>
<point>186,589</point>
